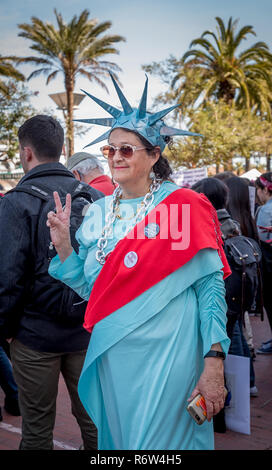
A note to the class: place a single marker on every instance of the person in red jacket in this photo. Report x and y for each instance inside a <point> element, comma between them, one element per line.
<point>87,168</point>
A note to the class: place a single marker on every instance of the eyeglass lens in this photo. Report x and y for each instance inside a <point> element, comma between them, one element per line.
<point>125,150</point>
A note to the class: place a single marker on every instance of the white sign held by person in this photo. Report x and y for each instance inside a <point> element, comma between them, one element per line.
<point>189,177</point>
<point>252,196</point>
<point>237,376</point>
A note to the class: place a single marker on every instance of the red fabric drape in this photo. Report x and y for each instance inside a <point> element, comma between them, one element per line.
<point>117,284</point>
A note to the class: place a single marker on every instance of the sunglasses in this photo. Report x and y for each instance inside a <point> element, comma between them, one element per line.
<point>126,150</point>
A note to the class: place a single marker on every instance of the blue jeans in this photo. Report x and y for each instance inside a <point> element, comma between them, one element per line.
<point>7,382</point>
<point>239,347</point>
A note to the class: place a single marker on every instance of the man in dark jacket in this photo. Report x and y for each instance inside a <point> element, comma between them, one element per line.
<point>44,342</point>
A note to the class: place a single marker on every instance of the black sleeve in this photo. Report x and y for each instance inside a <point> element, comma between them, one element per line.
<point>96,194</point>
<point>15,253</point>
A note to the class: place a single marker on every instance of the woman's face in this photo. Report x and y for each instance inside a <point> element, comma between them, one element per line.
<point>262,194</point>
<point>133,171</point>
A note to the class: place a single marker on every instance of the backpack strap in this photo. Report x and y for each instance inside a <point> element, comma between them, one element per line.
<point>79,189</point>
<point>260,279</point>
<point>242,258</point>
<point>42,191</point>
<point>243,290</point>
<point>33,190</point>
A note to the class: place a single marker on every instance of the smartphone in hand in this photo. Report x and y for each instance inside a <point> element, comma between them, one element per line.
<point>197,408</point>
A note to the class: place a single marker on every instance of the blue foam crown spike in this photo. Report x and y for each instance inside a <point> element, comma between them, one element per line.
<point>150,126</point>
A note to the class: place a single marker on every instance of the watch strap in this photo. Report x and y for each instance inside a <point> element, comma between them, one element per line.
<point>219,354</point>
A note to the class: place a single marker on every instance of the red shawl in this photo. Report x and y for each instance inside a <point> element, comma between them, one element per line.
<point>119,282</point>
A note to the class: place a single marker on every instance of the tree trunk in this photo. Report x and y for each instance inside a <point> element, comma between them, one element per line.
<point>69,84</point>
<point>268,162</point>
<point>247,164</point>
<point>226,91</point>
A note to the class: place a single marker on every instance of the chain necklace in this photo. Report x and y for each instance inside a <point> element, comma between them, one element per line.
<point>113,213</point>
<point>119,216</point>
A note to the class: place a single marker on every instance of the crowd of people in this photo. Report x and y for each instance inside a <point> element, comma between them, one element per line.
<point>99,284</point>
<point>229,194</point>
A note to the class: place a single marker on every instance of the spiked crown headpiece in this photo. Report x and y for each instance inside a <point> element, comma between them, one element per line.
<point>148,125</point>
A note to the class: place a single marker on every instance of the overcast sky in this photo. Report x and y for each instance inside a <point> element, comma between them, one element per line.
<point>153,30</point>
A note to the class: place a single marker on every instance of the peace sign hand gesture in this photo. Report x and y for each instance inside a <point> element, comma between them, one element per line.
<point>59,224</point>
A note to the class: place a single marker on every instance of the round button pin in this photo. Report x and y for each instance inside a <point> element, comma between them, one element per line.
<point>130,259</point>
<point>151,230</point>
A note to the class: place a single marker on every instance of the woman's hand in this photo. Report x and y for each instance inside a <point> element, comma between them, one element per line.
<point>211,386</point>
<point>59,224</point>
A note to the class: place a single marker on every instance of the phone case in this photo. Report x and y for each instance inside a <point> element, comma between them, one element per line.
<point>197,409</point>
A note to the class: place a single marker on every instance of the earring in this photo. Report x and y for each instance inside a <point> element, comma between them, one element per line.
<point>152,175</point>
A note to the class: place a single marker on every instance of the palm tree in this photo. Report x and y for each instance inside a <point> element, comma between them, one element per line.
<point>73,49</point>
<point>7,70</point>
<point>223,72</point>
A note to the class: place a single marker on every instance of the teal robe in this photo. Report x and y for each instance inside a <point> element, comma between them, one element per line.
<point>145,359</point>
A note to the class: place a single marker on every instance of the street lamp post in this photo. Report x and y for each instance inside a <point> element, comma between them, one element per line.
<point>60,99</point>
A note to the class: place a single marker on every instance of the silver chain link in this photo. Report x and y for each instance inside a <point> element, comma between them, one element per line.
<point>112,216</point>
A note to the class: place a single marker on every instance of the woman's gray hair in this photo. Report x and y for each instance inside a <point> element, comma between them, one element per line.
<point>88,165</point>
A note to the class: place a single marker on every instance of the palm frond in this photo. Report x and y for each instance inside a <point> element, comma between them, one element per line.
<point>8,70</point>
<point>206,45</point>
<point>199,57</point>
<point>51,76</point>
<point>32,60</point>
<point>38,72</point>
<point>222,28</point>
<point>93,78</point>
<point>217,41</point>
<point>3,88</point>
<point>242,34</point>
<point>99,29</point>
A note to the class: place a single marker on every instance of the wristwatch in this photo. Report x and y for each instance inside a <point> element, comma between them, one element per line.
<point>213,353</point>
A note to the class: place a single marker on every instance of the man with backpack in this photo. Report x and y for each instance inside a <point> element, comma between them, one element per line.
<point>42,316</point>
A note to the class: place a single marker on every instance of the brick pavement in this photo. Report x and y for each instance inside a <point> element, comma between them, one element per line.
<point>67,434</point>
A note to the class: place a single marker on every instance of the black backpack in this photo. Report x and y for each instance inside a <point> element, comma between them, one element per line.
<point>64,303</point>
<point>244,285</point>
